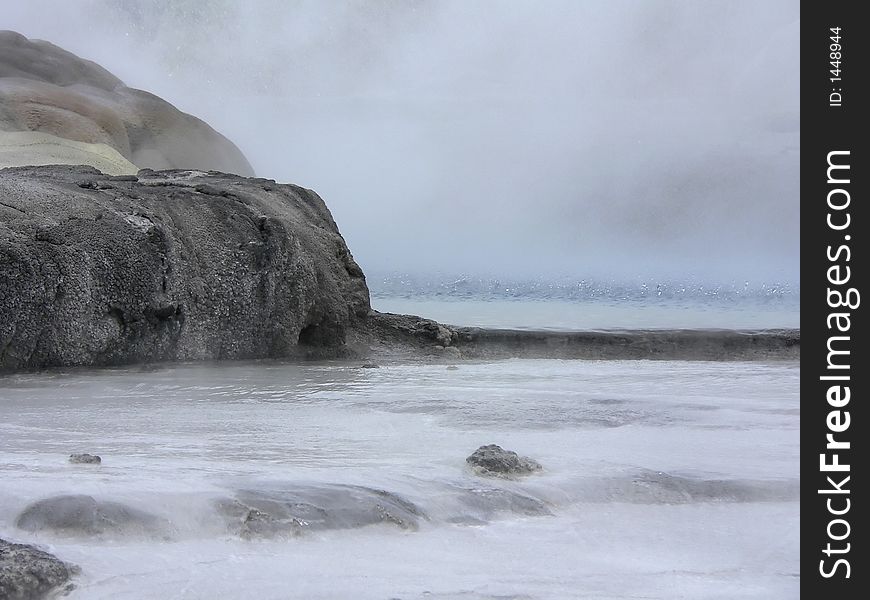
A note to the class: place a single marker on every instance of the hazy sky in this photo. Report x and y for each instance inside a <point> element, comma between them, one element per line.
<point>576,138</point>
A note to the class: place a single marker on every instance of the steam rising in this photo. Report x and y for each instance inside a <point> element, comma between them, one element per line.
<point>610,139</point>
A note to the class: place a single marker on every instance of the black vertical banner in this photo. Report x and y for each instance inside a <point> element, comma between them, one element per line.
<point>834,223</point>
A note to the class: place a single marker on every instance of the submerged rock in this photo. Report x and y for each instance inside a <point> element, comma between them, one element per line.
<point>84,515</point>
<point>85,459</point>
<point>647,486</point>
<point>486,502</point>
<point>495,461</point>
<point>98,271</point>
<point>294,510</point>
<point>27,573</point>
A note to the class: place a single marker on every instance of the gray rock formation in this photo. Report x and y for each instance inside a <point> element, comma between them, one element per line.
<point>403,336</point>
<point>644,486</point>
<point>47,90</point>
<point>85,459</point>
<point>646,344</point>
<point>398,336</point>
<point>27,573</point>
<point>485,502</point>
<point>313,507</point>
<point>172,265</point>
<point>85,516</point>
<point>495,461</point>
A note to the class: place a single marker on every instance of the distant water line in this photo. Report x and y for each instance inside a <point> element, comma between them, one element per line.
<point>589,304</point>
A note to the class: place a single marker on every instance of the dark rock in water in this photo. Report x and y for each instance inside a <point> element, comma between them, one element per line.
<point>644,486</point>
<point>85,459</point>
<point>84,515</point>
<point>294,510</point>
<point>27,573</point>
<point>660,487</point>
<point>48,90</point>
<point>370,366</point>
<point>154,270</point>
<point>495,461</point>
<point>259,524</point>
<point>486,502</point>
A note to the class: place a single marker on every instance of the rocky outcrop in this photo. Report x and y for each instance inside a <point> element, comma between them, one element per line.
<point>495,461</point>
<point>49,91</point>
<point>27,573</point>
<point>86,516</point>
<point>171,265</point>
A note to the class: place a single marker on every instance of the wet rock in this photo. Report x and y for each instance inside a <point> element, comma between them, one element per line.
<point>370,366</point>
<point>27,573</point>
<point>664,344</point>
<point>84,515</point>
<point>259,524</point>
<point>486,502</point>
<point>660,487</point>
<point>85,459</point>
<point>495,461</point>
<point>467,520</point>
<point>292,511</point>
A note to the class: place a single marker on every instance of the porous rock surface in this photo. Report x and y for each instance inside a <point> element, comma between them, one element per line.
<point>169,265</point>
<point>51,91</point>
<point>27,573</point>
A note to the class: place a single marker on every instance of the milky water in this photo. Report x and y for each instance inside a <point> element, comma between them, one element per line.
<point>564,315</point>
<point>661,479</point>
<point>589,304</point>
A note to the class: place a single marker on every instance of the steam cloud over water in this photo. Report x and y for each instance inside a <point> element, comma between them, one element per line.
<point>608,139</point>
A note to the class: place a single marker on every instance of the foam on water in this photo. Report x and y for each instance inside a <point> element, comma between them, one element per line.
<point>661,478</point>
